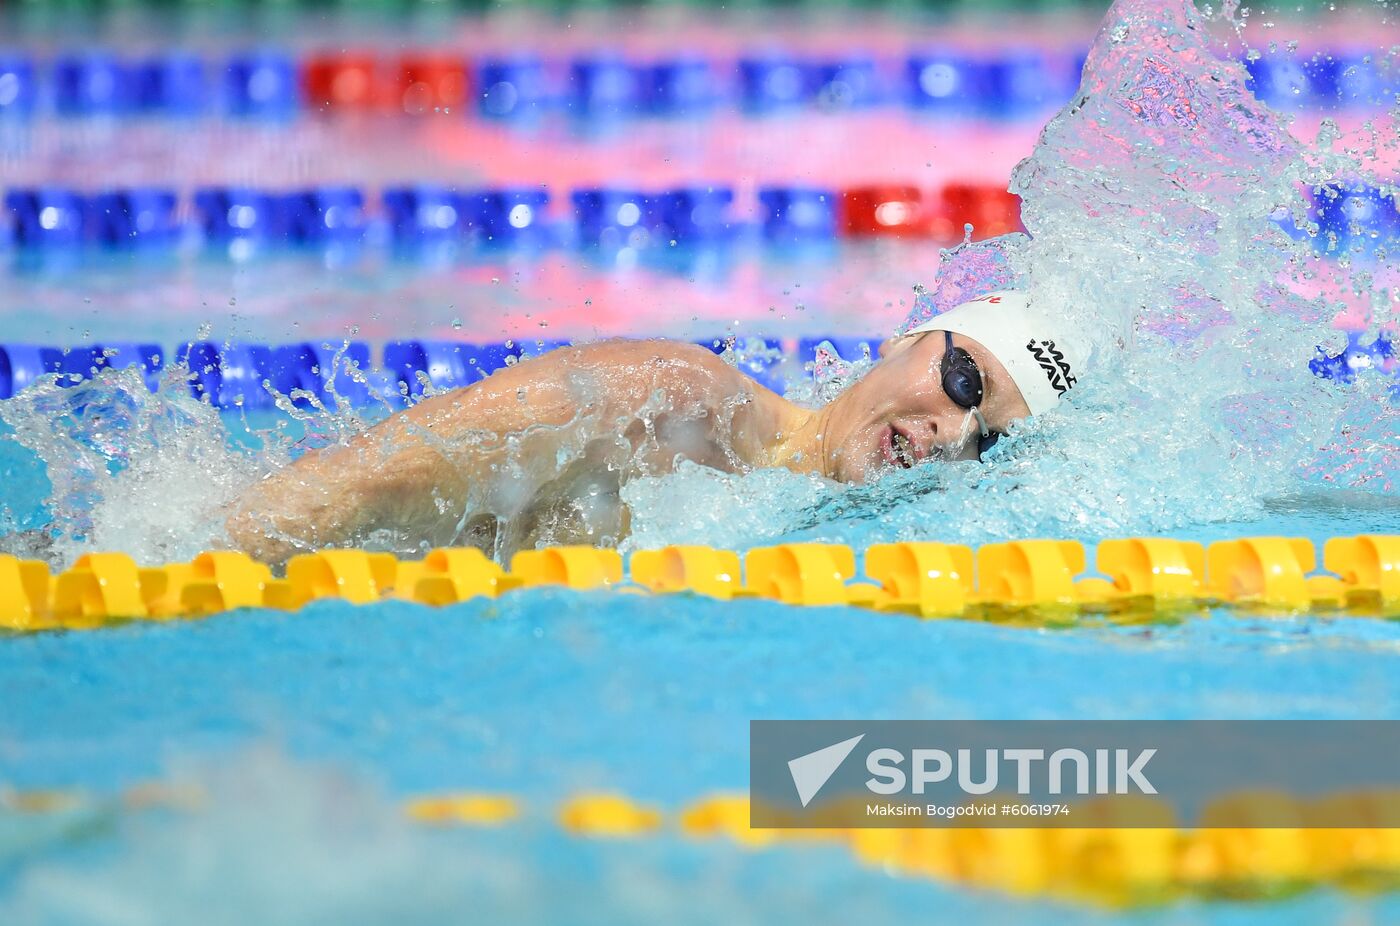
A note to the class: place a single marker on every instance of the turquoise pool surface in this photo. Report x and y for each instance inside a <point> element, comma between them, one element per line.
<point>305,730</point>
<point>286,745</point>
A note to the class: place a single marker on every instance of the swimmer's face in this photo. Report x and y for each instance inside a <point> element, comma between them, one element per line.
<point>898,415</point>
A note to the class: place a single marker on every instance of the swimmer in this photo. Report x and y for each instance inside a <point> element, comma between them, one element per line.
<point>537,452</point>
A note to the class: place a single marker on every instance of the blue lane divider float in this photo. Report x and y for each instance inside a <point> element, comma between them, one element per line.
<point>1324,80</point>
<point>605,87</point>
<point>690,216</point>
<point>773,82</point>
<point>1355,218</point>
<point>695,215</point>
<point>94,83</point>
<point>608,218</point>
<point>1017,83</point>
<point>323,215</point>
<point>139,217</point>
<point>99,83</point>
<point>77,362</point>
<point>345,361</point>
<point>797,215</point>
<point>261,84</point>
<point>80,363</point>
<point>1361,82</point>
<point>235,376</point>
<point>410,367</point>
<point>266,83</point>
<point>228,376</point>
<point>46,217</point>
<point>510,217</point>
<point>512,88</point>
<point>49,217</point>
<point>1024,81</point>
<point>302,372</point>
<point>847,83</point>
<point>683,86</point>
<point>175,84</point>
<point>947,82</point>
<point>1351,217</point>
<point>246,376</point>
<point>426,213</point>
<point>413,366</point>
<point>1358,355</point>
<point>22,364</point>
<point>18,87</point>
<point>233,213</point>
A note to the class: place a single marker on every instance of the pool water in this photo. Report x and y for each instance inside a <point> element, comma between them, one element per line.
<point>303,732</point>
<point>255,766</point>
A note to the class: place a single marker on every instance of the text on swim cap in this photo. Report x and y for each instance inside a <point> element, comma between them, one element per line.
<point>1053,362</point>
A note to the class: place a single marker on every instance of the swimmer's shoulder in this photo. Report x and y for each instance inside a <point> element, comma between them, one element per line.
<point>655,356</point>
<point>635,350</point>
<point>551,380</point>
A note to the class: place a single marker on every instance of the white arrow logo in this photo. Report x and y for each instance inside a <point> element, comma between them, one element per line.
<point>812,771</point>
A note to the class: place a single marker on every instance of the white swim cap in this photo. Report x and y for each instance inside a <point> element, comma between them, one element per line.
<point>1043,354</point>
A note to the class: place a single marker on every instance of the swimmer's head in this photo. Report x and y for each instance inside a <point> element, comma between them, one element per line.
<point>947,388</point>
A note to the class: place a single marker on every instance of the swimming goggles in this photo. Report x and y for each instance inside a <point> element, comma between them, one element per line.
<point>962,381</point>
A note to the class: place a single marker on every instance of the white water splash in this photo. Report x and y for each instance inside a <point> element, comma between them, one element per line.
<point>149,474</point>
<point>1148,202</point>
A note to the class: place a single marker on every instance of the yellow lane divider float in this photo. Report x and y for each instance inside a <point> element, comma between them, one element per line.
<point>1041,580</point>
<point>1115,866</point>
<point>1227,856</point>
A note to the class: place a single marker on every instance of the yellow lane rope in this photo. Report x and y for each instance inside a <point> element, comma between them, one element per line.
<point>1043,581</point>
<point>1103,866</point>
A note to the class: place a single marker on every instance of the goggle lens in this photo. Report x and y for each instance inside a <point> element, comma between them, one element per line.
<point>961,378</point>
<point>962,381</point>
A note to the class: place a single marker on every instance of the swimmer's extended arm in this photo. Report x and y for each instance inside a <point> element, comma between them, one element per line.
<point>391,476</point>
<point>411,472</point>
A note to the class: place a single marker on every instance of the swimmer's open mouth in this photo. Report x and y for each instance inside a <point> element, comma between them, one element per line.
<point>898,449</point>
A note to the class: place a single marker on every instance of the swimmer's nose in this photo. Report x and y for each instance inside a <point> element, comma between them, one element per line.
<point>926,439</point>
<point>954,442</point>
